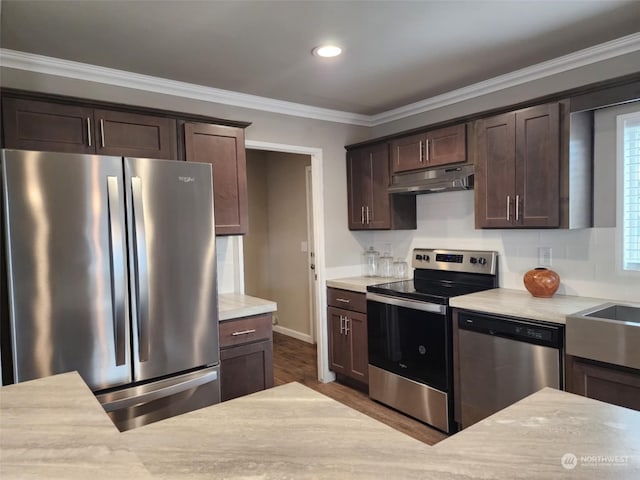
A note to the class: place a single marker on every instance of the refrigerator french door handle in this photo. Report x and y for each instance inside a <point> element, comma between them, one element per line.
<point>116,247</point>
<point>141,270</point>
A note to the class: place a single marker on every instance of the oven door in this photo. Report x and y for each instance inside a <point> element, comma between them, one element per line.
<point>410,358</point>
<point>410,338</point>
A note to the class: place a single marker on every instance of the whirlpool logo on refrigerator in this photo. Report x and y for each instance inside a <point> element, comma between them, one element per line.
<point>186,179</point>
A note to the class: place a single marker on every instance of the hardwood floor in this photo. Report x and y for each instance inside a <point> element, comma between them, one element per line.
<point>295,361</point>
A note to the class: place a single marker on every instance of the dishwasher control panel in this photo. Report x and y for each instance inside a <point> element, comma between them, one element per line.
<point>512,328</point>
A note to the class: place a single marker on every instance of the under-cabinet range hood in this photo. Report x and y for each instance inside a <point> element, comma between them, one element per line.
<point>436,180</point>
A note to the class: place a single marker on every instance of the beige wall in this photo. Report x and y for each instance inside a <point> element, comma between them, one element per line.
<point>257,268</point>
<point>275,266</point>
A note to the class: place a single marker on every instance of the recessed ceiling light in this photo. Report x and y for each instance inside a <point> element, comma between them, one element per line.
<point>327,51</point>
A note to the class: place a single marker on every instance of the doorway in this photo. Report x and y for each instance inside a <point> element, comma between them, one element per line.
<point>284,253</point>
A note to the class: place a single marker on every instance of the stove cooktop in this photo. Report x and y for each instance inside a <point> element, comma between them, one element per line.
<point>439,293</point>
<point>442,274</point>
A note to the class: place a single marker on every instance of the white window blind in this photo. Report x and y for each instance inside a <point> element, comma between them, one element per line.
<point>631,193</point>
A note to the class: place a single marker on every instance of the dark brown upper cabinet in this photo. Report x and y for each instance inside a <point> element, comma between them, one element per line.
<point>222,147</point>
<point>57,127</point>
<point>430,149</point>
<point>371,207</point>
<point>517,171</point>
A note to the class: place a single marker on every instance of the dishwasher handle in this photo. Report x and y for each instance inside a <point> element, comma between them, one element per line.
<point>527,331</point>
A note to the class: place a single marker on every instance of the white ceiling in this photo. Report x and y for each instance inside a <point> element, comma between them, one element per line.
<point>395,52</point>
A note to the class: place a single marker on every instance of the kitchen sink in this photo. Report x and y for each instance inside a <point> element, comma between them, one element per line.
<point>608,333</point>
<point>620,313</point>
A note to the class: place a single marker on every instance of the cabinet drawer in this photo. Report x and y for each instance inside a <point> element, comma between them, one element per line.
<point>245,330</point>
<point>347,299</point>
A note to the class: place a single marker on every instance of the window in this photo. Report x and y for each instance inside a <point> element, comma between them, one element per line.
<point>629,125</point>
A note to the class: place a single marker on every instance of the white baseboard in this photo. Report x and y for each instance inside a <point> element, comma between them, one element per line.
<point>292,333</point>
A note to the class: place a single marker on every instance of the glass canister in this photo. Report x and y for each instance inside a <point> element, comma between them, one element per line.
<point>370,262</point>
<point>400,268</point>
<point>385,262</point>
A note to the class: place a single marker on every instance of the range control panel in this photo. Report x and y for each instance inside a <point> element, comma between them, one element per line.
<point>471,261</point>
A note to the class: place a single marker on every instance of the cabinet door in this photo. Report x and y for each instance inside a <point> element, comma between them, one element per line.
<point>600,381</point>
<point>408,153</point>
<point>538,167</point>
<point>246,369</point>
<point>36,125</point>
<point>379,212</point>
<point>446,145</point>
<point>132,135</point>
<point>495,171</point>
<point>338,340</point>
<point>223,148</point>
<point>357,332</point>
<point>358,187</point>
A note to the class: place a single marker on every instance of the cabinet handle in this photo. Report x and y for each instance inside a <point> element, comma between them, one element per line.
<point>341,324</point>
<point>421,153</point>
<point>343,300</point>
<point>89,130</point>
<point>428,151</point>
<point>508,208</point>
<point>243,332</point>
<point>517,208</point>
<point>102,133</point>
<point>362,215</point>
<point>368,215</point>
<point>346,325</point>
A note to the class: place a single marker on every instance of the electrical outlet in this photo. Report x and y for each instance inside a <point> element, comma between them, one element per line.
<point>544,256</point>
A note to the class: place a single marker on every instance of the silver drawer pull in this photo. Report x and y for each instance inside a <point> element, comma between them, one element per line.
<point>343,300</point>
<point>244,332</point>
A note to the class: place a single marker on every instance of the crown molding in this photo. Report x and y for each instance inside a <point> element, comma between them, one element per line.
<point>109,76</point>
<point>598,53</point>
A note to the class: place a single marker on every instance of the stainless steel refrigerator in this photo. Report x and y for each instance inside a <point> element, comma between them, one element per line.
<point>111,271</point>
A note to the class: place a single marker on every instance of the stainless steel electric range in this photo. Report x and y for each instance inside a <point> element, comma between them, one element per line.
<point>410,332</point>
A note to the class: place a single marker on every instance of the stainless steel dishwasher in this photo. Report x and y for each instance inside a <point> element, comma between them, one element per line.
<point>502,360</point>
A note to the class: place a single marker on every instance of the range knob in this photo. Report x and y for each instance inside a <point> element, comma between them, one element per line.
<point>482,261</point>
<point>418,257</point>
<point>473,260</point>
<point>426,258</point>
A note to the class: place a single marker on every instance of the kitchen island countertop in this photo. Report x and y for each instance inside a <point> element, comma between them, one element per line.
<point>235,305</point>
<point>53,428</point>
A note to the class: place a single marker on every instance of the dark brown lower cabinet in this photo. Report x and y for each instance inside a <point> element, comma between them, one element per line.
<point>246,356</point>
<point>246,369</point>
<point>605,382</point>
<point>348,344</point>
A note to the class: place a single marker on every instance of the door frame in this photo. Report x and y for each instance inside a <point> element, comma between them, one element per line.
<point>320,334</point>
<point>312,275</point>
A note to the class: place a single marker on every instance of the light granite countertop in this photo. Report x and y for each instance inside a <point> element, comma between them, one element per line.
<point>235,305</point>
<point>501,301</point>
<point>520,303</point>
<point>54,428</point>
<point>359,284</point>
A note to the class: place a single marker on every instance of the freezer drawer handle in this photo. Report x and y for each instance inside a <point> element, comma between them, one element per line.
<point>147,397</point>
<point>244,332</point>
<point>116,245</point>
<point>141,270</point>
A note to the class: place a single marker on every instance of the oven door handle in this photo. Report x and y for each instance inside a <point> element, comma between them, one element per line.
<point>413,304</point>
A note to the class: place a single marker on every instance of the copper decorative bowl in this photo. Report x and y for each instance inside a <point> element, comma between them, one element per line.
<point>541,282</point>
